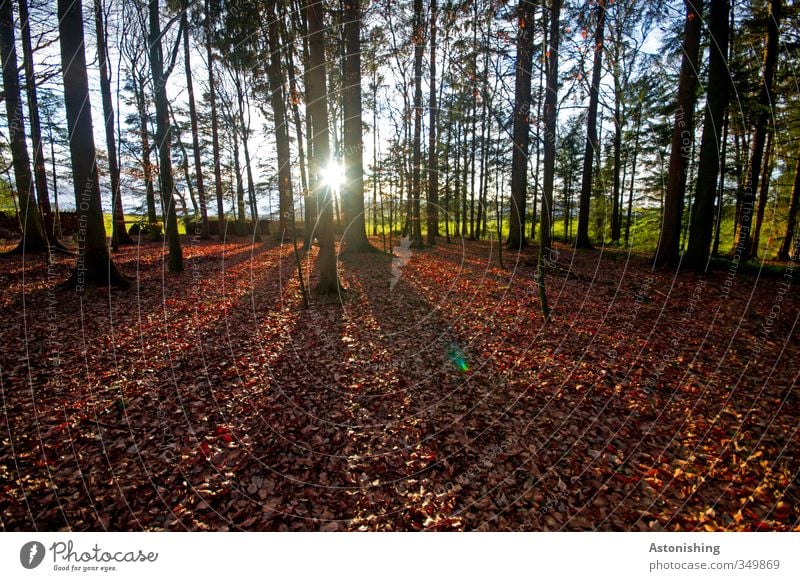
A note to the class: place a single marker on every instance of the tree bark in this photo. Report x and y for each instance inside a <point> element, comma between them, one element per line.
<point>744,248</point>
<point>39,173</point>
<point>787,251</point>
<point>416,155</point>
<point>521,129</point>
<point>317,107</point>
<point>34,239</point>
<point>582,239</point>
<point>763,192</point>
<point>198,164</point>
<point>94,265</point>
<point>215,149</point>
<point>164,142</point>
<point>701,229</point>
<point>433,157</point>
<point>355,231</point>
<point>668,250</point>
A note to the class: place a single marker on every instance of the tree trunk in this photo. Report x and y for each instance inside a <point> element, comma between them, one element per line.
<point>147,168</point>
<point>198,164</point>
<point>433,158</point>
<point>94,266</point>
<point>701,228</point>
<point>629,216</point>
<point>668,250</point>
<point>277,101</point>
<point>164,142</point>
<point>582,240</point>
<point>34,239</point>
<point>355,231</point>
<point>215,149</point>
<point>39,173</point>
<point>521,130</point>
<point>119,235</point>
<point>744,242</point>
<point>763,193</point>
<point>787,251</point>
<point>241,93</point>
<point>317,107</point>
<point>416,155</point>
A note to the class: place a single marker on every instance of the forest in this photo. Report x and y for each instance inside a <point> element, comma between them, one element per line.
<point>367,265</point>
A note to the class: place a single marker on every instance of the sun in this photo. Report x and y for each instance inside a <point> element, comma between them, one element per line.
<point>333,175</point>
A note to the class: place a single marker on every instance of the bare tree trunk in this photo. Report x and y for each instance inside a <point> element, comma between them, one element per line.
<point>119,235</point>
<point>212,96</point>
<point>668,251</point>
<point>34,239</point>
<point>317,107</point>
<point>521,130</point>
<point>592,144</point>
<point>702,217</point>
<point>416,155</point>
<point>198,164</point>
<point>763,193</point>
<point>744,242</point>
<point>39,173</point>
<point>94,266</point>
<point>787,251</point>
<point>355,231</point>
<point>164,142</point>
<point>433,158</point>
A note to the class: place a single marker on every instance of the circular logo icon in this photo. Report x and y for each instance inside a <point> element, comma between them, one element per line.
<point>31,554</point>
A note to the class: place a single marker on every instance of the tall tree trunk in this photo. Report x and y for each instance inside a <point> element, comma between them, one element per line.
<point>433,157</point>
<point>629,216</point>
<point>721,186</point>
<point>198,164</point>
<point>521,130</point>
<point>164,142</point>
<point>119,235</point>
<point>550,119</point>
<point>763,192</point>
<point>212,98</point>
<point>787,251</point>
<point>242,95</point>
<point>416,155</point>
<point>144,135</point>
<point>39,173</point>
<point>277,100</point>
<point>355,231</point>
<point>616,229</point>
<point>744,242</point>
<point>94,265</point>
<point>317,107</point>
<point>701,229</point>
<point>668,251</point>
<point>34,239</point>
<point>591,150</point>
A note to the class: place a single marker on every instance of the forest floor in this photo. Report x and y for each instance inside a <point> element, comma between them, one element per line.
<point>431,398</point>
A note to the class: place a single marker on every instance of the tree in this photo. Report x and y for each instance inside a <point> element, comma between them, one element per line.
<point>278,100</point>
<point>592,146</point>
<point>317,107</point>
<point>164,137</point>
<point>433,157</point>
<point>198,166</point>
<point>416,154</point>
<point>745,248</point>
<point>34,239</point>
<point>521,130</point>
<point>39,173</point>
<point>355,232</point>
<point>787,252</point>
<point>94,265</point>
<point>668,250</point>
<point>212,98</point>
<point>550,118</point>
<point>119,235</point>
<point>701,229</point>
